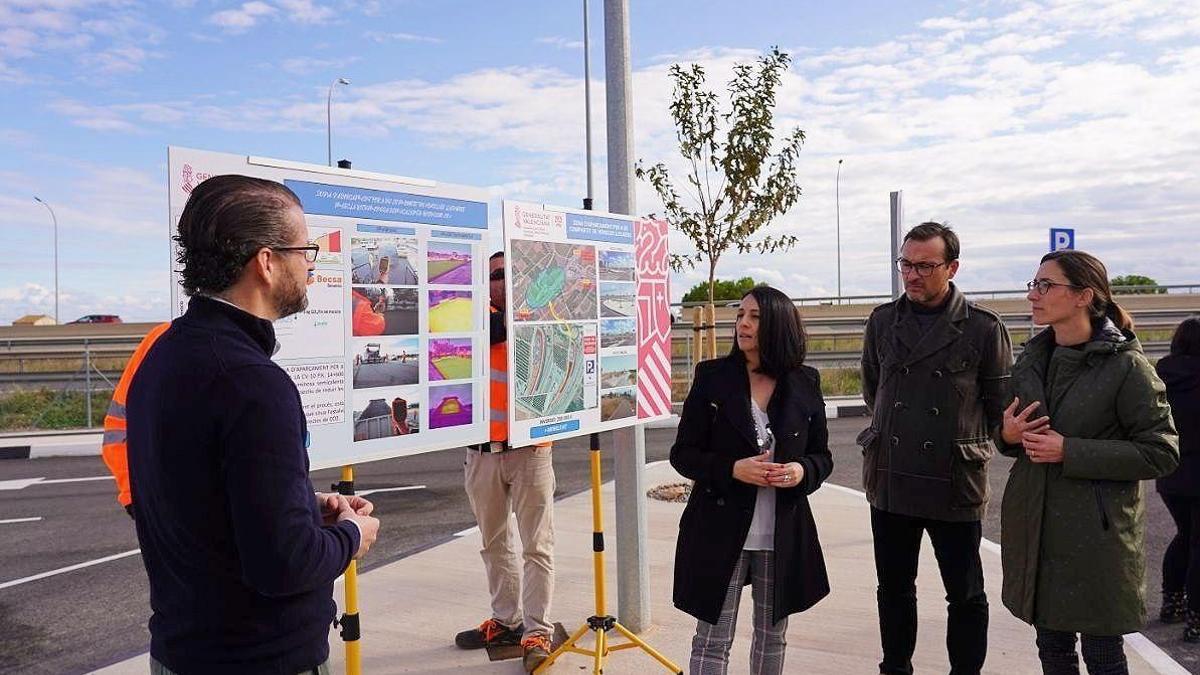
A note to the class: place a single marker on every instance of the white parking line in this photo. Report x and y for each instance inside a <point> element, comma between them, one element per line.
<point>69,568</point>
<point>364,493</point>
<point>22,483</point>
<point>20,520</point>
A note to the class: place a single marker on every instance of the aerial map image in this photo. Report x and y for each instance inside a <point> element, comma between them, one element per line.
<point>548,363</point>
<point>553,282</point>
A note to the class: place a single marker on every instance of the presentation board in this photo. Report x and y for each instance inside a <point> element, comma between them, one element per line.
<point>391,355</point>
<point>588,321</point>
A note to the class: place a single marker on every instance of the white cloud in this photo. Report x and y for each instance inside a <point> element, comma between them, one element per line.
<point>376,36</point>
<point>305,11</point>
<point>560,42</point>
<point>303,65</point>
<point>243,18</point>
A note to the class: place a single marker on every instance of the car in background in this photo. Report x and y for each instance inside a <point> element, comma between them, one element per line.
<point>97,318</point>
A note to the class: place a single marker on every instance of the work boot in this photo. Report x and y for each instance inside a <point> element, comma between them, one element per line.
<point>490,633</point>
<point>536,649</point>
<point>1174,607</point>
<point>1191,633</point>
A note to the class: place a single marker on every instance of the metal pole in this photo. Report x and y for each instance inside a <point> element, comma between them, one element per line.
<point>629,444</point>
<point>329,120</point>
<point>587,104</point>
<point>87,395</point>
<point>54,219</point>
<point>897,204</point>
<point>837,192</point>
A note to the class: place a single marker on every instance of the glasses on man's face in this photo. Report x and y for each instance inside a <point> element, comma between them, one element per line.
<point>1043,286</point>
<point>310,252</point>
<point>924,269</point>
<point>497,275</point>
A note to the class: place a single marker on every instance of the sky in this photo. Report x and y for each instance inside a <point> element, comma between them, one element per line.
<point>1002,117</point>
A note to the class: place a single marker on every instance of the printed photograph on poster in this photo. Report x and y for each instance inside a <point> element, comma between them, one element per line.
<point>383,260</point>
<point>618,371</point>
<point>449,263</point>
<point>618,403</point>
<point>384,414</point>
<point>387,362</point>
<point>549,368</point>
<point>553,282</point>
<point>617,299</point>
<point>618,333</point>
<point>450,312</point>
<point>449,358</point>
<point>384,311</point>
<point>330,241</point>
<point>450,406</point>
<point>616,265</point>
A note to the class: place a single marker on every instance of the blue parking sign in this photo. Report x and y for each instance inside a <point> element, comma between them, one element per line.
<point>1062,238</point>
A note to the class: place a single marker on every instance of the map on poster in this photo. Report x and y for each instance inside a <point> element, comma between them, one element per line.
<point>400,259</point>
<point>579,308</point>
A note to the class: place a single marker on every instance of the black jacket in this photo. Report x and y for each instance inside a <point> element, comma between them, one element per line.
<point>1181,373</point>
<point>935,399</point>
<point>241,569</point>
<point>715,430</point>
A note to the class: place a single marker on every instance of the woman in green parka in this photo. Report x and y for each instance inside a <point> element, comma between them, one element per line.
<point>1088,421</point>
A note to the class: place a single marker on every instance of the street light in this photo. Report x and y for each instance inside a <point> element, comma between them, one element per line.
<point>329,119</point>
<point>55,221</point>
<point>838,205</point>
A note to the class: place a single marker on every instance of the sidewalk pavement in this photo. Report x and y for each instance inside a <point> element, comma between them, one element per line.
<point>412,608</point>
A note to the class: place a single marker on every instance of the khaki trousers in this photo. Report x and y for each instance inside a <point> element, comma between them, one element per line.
<point>518,481</point>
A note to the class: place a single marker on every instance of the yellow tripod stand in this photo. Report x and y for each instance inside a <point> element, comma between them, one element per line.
<point>600,623</point>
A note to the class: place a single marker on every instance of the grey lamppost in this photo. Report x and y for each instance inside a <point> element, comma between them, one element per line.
<point>329,119</point>
<point>54,219</point>
<point>837,198</point>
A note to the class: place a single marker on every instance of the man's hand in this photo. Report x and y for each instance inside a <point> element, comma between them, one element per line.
<point>331,505</point>
<point>1016,424</point>
<point>368,529</point>
<point>756,470</point>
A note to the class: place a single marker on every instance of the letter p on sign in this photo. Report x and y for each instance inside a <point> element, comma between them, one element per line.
<point>1061,238</point>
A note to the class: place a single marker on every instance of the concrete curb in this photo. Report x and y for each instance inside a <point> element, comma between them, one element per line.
<point>44,445</point>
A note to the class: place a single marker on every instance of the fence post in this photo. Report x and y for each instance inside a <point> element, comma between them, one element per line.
<point>712,331</point>
<point>87,365</point>
<point>698,342</point>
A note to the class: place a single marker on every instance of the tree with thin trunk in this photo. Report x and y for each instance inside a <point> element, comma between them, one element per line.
<point>737,180</point>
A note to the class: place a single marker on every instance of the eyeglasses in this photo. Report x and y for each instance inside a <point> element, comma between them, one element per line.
<point>1043,286</point>
<point>923,269</point>
<point>497,275</point>
<point>310,252</point>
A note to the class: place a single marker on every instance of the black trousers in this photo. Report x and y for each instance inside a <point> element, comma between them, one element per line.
<point>956,546</point>
<point>1181,563</point>
<point>1103,654</point>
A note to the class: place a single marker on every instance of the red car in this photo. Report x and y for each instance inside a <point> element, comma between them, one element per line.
<point>98,318</point>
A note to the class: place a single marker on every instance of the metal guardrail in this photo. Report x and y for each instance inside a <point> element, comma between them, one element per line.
<point>975,295</point>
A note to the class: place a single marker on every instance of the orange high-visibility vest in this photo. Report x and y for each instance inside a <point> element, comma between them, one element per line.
<point>498,407</point>
<point>114,451</point>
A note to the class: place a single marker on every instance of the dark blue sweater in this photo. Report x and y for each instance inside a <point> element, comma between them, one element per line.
<point>241,569</point>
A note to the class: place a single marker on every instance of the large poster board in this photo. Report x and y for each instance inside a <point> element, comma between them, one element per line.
<point>391,356</point>
<point>589,321</point>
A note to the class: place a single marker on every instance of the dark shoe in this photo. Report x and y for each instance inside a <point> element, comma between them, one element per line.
<point>1191,633</point>
<point>1174,607</point>
<point>536,649</point>
<point>490,633</point>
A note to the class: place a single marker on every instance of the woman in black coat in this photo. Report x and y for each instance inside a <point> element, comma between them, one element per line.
<point>754,439</point>
<point>1180,491</point>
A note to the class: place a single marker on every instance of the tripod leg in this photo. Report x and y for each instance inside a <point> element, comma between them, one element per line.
<point>562,649</point>
<point>601,651</point>
<point>648,649</point>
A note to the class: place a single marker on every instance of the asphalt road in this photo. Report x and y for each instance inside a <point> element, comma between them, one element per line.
<point>91,617</point>
<point>385,374</point>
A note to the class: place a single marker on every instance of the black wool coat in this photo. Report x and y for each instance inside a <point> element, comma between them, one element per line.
<point>715,430</point>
